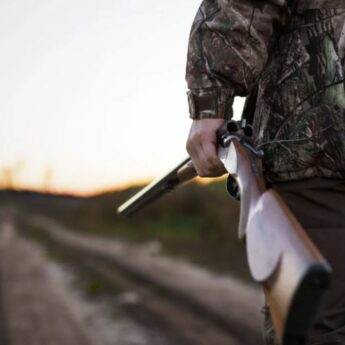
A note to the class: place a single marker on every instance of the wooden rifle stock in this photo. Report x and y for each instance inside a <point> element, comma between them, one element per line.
<point>294,275</point>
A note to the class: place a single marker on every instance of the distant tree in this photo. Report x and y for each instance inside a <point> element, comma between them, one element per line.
<point>7,178</point>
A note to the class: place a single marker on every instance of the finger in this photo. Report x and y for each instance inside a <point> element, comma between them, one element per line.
<point>202,149</point>
<point>199,161</point>
<point>194,148</point>
<point>201,146</point>
<point>203,166</point>
<point>209,147</point>
<point>212,163</point>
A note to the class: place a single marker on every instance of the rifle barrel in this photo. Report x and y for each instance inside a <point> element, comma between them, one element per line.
<point>180,174</point>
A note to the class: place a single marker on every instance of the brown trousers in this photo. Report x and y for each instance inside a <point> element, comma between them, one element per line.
<point>319,205</point>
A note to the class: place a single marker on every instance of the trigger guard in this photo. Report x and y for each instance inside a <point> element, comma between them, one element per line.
<point>233,188</point>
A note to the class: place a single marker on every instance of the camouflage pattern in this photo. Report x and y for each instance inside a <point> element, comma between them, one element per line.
<point>292,53</point>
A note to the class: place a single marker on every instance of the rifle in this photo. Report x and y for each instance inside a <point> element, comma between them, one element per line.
<point>294,275</point>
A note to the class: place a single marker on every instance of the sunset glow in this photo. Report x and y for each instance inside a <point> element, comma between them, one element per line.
<point>92,93</point>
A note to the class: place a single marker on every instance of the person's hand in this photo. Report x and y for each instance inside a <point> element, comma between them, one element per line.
<point>202,147</point>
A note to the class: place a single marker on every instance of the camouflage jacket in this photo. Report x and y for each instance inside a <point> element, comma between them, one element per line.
<point>288,57</point>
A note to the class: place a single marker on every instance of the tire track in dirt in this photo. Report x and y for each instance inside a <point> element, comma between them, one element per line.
<point>229,305</point>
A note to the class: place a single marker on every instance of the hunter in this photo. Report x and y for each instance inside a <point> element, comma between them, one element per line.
<point>287,58</point>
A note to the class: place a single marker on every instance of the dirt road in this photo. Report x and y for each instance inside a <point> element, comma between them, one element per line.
<point>168,302</point>
<point>34,311</point>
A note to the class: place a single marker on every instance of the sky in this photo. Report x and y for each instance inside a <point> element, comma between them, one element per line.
<point>92,93</point>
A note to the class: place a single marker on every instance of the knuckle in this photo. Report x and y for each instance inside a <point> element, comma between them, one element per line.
<point>191,147</point>
<point>188,146</point>
<point>218,164</point>
<point>204,136</point>
<point>200,170</point>
<point>206,172</point>
<point>212,162</point>
<point>197,136</point>
<point>193,138</point>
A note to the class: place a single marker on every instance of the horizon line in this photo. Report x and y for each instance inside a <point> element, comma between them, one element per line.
<point>97,191</point>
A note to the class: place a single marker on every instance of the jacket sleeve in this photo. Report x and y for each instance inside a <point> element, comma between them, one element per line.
<point>228,48</point>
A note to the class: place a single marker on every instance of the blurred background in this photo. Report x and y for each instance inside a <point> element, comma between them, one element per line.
<point>92,107</point>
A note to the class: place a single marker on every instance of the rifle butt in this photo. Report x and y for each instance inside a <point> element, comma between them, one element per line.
<point>296,304</point>
<point>293,272</point>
